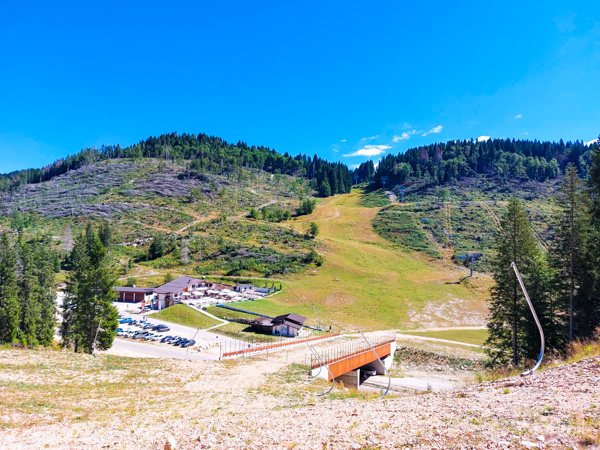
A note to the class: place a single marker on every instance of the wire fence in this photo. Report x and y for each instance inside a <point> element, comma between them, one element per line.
<point>243,345</point>
<point>348,350</point>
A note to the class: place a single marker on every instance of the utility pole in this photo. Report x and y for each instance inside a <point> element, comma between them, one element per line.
<point>319,327</point>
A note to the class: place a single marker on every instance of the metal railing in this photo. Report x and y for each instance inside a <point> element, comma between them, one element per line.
<point>348,350</point>
<point>243,345</point>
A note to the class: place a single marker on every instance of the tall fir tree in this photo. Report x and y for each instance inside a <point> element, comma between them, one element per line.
<point>511,334</point>
<point>10,310</point>
<point>29,296</point>
<point>89,318</point>
<point>569,253</point>
<point>591,322</point>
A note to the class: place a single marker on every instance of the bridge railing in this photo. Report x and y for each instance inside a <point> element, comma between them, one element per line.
<point>243,345</point>
<point>348,350</point>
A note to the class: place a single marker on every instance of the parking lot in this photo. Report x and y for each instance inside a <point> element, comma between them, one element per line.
<point>206,345</point>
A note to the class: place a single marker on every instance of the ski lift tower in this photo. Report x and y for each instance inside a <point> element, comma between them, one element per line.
<point>474,257</point>
<point>401,192</point>
<point>383,181</point>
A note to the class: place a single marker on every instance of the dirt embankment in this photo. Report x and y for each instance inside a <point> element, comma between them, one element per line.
<point>62,400</point>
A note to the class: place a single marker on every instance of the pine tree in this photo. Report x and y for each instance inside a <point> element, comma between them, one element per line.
<point>37,293</point>
<point>509,329</point>
<point>590,319</point>
<point>9,292</point>
<point>569,251</point>
<point>46,290</point>
<point>89,317</point>
<point>29,297</point>
<point>105,234</point>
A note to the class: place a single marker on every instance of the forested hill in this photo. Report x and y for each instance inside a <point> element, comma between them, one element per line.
<point>202,154</point>
<point>501,158</point>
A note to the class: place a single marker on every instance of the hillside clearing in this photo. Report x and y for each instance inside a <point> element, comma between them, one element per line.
<point>368,282</point>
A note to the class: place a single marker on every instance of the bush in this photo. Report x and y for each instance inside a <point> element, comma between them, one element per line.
<point>307,206</point>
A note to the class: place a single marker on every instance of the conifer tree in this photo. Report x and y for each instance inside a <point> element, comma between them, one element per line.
<point>105,233</point>
<point>509,329</point>
<point>89,318</point>
<point>9,292</point>
<point>28,297</point>
<point>569,251</point>
<point>45,270</point>
<point>590,318</point>
<point>37,293</point>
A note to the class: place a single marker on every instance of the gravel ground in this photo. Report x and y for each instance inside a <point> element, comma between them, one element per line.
<point>232,406</point>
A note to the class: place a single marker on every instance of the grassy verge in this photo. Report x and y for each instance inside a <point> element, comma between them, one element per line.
<point>475,337</point>
<point>184,315</point>
<point>375,199</point>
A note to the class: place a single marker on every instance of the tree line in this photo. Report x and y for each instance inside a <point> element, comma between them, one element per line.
<point>563,283</point>
<point>202,154</point>
<point>28,291</point>
<point>502,159</point>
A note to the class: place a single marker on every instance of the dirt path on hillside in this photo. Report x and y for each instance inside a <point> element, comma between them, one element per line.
<point>445,329</point>
<point>494,216</point>
<point>431,339</point>
<point>492,213</point>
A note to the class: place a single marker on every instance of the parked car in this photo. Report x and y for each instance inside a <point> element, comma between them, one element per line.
<point>161,328</point>
<point>367,371</point>
<point>189,343</point>
<point>139,334</point>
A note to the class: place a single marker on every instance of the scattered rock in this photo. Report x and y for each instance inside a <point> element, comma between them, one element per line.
<point>171,444</point>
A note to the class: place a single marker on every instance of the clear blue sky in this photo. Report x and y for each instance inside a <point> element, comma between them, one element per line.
<point>346,80</point>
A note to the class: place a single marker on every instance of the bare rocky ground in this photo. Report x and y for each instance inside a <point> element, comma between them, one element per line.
<point>51,399</point>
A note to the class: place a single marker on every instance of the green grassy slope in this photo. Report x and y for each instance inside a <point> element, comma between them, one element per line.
<point>368,282</point>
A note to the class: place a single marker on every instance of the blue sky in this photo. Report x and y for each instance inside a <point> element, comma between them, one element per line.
<point>347,80</point>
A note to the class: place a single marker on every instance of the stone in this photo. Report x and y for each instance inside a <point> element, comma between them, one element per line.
<point>171,444</point>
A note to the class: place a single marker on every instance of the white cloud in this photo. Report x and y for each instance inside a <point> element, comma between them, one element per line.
<point>334,150</point>
<point>434,130</point>
<point>483,138</point>
<point>343,140</point>
<point>405,135</point>
<point>369,150</point>
<point>591,142</point>
<point>369,138</point>
<point>353,166</point>
<point>518,116</point>
<point>527,132</point>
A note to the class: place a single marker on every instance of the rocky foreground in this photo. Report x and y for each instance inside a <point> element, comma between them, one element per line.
<point>246,405</point>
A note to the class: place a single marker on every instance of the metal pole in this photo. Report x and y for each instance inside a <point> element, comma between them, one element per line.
<point>381,362</point>
<point>471,266</point>
<point>314,352</point>
<point>543,344</point>
<point>187,349</point>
